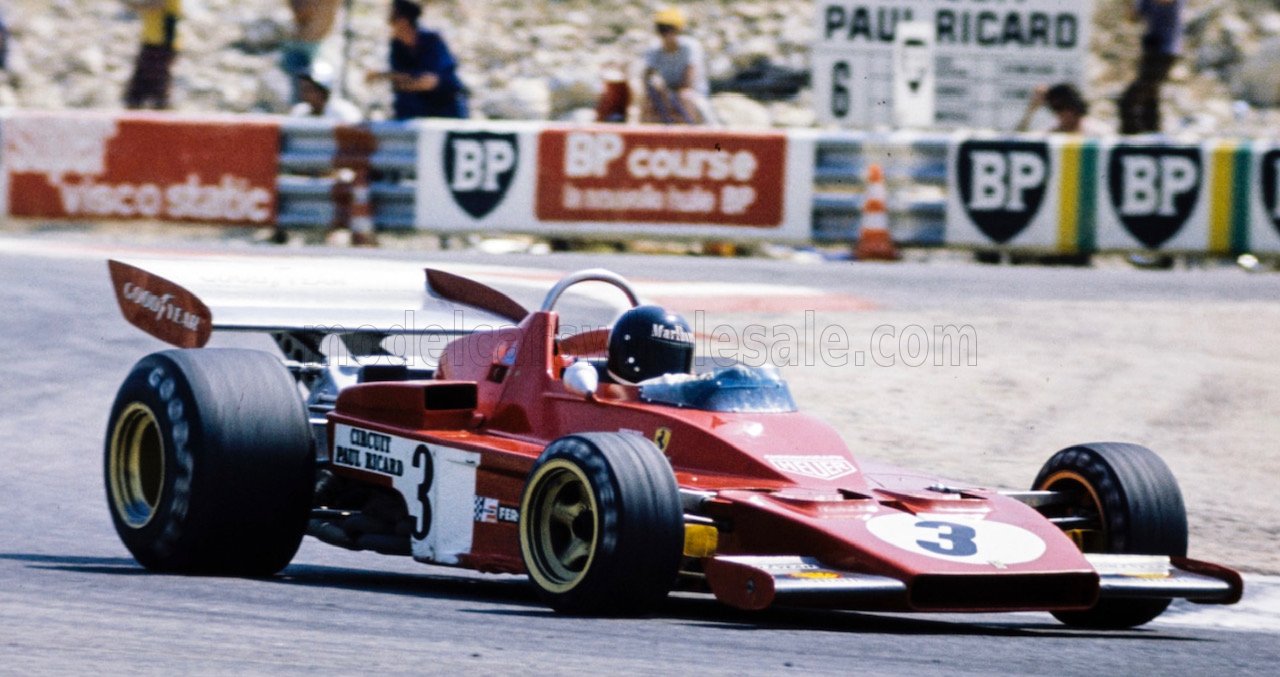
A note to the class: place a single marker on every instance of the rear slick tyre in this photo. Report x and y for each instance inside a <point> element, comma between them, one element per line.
<point>601,525</point>
<point>209,463</point>
<point>1134,506</point>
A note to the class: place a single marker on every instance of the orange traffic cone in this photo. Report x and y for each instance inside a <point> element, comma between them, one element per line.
<point>874,243</point>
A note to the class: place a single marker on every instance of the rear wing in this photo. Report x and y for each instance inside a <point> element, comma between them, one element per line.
<point>298,303</point>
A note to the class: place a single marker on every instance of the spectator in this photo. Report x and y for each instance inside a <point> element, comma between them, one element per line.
<point>149,86</point>
<point>615,96</point>
<point>1161,44</point>
<point>1069,109</point>
<point>313,20</point>
<point>315,88</point>
<point>319,101</point>
<point>4,39</point>
<point>423,73</point>
<point>675,74</point>
<point>11,64</point>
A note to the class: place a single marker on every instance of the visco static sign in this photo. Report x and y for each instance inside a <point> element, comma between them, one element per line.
<point>140,166</point>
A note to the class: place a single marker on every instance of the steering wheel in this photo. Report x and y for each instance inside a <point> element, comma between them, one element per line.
<point>589,275</point>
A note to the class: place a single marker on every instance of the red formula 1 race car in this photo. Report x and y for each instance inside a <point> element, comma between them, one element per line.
<point>598,465</point>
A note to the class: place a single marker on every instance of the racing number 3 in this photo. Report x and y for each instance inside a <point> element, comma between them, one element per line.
<point>949,538</point>
<point>422,459</point>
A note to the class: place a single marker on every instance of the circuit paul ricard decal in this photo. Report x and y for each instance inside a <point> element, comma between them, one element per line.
<point>437,483</point>
<point>958,539</point>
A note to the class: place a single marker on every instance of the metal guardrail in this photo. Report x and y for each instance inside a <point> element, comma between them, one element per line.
<point>309,169</point>
<point>915,168</point>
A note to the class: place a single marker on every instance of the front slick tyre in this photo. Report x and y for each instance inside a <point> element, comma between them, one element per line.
<point>209,463</point>
<point>601,525</point>
<point>1134,506</point>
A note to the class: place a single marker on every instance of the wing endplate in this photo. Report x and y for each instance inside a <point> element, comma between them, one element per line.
<point>468,292</point>
<point>160,307</point>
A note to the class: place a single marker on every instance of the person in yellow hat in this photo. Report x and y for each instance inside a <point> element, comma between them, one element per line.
<point>149,86</point>
<point>675,74</point>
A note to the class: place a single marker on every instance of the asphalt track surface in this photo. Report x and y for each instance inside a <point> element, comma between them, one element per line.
<point>73,601</point>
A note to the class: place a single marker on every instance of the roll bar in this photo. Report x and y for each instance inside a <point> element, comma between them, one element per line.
<point>589,275</point>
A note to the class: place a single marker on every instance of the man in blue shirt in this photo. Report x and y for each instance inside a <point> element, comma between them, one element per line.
<point>1161,44</point>
<point>423,73</point>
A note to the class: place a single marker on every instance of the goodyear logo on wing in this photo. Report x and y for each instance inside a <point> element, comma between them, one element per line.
<point>162,305</point>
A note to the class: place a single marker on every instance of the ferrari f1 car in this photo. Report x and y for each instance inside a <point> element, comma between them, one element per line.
<point>600,466</point>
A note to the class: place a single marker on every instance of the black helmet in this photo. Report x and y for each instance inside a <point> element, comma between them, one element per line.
<point>647,342</point>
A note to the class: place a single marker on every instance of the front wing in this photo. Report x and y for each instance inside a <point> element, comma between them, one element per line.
<point>758,582</point>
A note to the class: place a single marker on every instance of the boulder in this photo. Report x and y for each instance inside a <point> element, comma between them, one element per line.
<point>738,112</point>
<point>90,60</point>
<point>274,92</point>
<point>571,92</point>
<point>792,114</point>
<point>1257,80</point>
<point>521,99</point>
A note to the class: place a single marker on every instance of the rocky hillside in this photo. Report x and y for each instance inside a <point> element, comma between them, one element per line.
<point>543,58</point>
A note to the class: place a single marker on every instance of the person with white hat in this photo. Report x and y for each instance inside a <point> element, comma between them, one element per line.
<point>315,88</point>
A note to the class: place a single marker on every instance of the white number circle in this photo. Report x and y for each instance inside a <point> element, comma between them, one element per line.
<point>968,541</point>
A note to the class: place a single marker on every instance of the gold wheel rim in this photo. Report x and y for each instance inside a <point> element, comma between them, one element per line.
<point>562,527</point>
<point>135,465</point>
<point>1075,484</point>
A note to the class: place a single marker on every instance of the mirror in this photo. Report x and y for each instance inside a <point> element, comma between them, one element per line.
<point>581,378</point>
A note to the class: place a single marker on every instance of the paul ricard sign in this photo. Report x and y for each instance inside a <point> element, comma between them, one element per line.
<point>987,57</point>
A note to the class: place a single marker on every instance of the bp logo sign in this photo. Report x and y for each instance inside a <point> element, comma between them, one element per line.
<point>479,167</point>
<point>1271,187</point>
<point>1154,190</point>
<point>1002,184</point>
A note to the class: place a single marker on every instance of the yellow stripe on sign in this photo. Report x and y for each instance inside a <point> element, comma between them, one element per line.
<point>1220,199</point>
<point>1069,198</point>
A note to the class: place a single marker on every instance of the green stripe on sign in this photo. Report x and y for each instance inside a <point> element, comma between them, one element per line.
<point>1241,186</point>
<point>1087,228</point>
